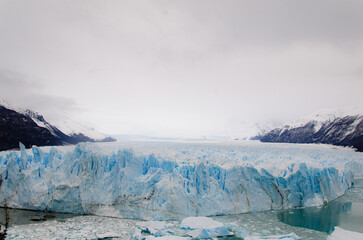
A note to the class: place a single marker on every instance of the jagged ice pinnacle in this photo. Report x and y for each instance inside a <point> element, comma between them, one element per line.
<point>173,180</point>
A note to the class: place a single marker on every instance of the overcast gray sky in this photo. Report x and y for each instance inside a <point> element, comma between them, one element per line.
<point>180,67</point>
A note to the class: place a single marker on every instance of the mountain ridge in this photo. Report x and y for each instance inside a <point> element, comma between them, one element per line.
<point>31,128</point>
<point>339,127</point>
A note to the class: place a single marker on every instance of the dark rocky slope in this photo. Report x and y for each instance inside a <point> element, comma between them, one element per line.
<point>18,127</point>
<point>341,131</point>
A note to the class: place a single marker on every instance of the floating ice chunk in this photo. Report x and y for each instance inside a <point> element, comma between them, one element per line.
<point>341,234</point>
<point>156,228</point>
<point>137,235</point>
<point>291,236</point>
<point>200,234</point>
<point>157,225</point>
<point>242,233</point>
<point>107,235</point>
<point>157,232</point>
<point>204,227</point>
<point>199,222</point>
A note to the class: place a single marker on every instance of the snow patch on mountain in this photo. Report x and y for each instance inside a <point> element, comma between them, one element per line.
<point>324,116</point>
<point>66,126</point>
<point>70,127</point>
<point>241,130</point>
<point>337,127</point>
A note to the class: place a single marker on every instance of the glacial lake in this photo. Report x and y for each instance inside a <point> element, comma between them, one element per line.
<point>308,223</point>
<point>345,212</point>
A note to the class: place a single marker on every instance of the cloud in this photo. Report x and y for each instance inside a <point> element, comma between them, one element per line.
<point>21,91</point>
<point>181,66</point>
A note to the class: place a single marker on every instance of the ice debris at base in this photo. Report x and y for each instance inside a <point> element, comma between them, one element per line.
<point>291,236</point>
<point>341,234</point>
<point>204,227</point>
<point>195,227</point>
<point>92,227</point>
<point>139,234</point>
<point>82,227</point>
<point>265,223</point>
<point>156,228</point>
<point>107,235</point>
<point>200,222</point>
<point>173,180</point>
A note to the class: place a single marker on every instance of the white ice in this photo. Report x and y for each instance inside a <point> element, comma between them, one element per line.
<point>83,227</point>
<point>156,228</point>
<point>204,227</point>
<point>341,234</point>
<point>173,180</point>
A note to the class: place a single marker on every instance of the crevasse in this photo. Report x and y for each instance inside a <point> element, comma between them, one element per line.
<point>148,185</point>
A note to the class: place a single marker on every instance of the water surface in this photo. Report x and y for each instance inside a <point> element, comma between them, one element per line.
<point>345,212</point>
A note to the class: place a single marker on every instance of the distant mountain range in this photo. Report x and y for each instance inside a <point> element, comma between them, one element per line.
<point>337,127</point>
<point>253,131</point>
<point>31,128</point>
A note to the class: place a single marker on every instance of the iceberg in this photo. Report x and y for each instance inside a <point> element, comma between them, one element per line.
<point>107,235</point>
<point>137,234</point>
<point>156,228</point>
<point>200,222</point>
<point>173,180</point>
<point>204,227</point>
<point>342,234</point>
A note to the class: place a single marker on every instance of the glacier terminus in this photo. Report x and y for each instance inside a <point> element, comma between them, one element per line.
<point>160,180</point>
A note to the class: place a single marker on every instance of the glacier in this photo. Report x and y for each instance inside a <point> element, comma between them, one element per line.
<point>159,180</point>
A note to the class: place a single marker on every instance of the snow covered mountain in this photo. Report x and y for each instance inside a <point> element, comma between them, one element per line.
<point>30,128</point>
<point>337,127</point>
<point>76,131</point>
<point>253,131</point>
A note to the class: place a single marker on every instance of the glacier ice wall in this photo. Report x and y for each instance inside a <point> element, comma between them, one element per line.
<point>148,185</point>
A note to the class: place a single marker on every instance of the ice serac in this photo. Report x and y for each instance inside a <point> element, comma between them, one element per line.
<point>158,181</point>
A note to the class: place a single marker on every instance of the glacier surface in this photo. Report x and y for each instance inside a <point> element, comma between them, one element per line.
<point>172,180</point>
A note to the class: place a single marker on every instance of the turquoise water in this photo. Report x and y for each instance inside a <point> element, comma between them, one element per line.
<point>308,223</point>
<point>345,212</point>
